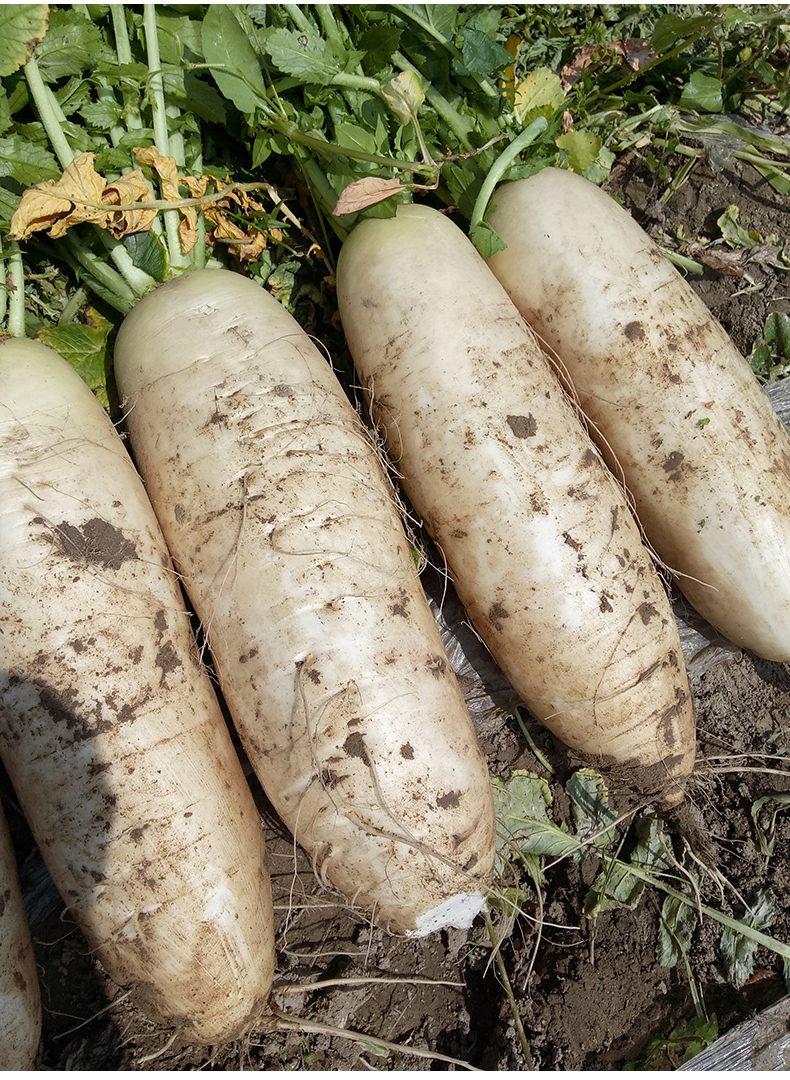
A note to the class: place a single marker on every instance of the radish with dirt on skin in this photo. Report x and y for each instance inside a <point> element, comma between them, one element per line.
<point>678,411</point>
<point>20,997</point>
<point>283,527</point>
<point>110,729</point>
<point>540,543</point>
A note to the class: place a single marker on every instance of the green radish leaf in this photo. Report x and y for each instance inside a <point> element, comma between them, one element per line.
<point>235,66</point>
<point>671,28</point>
<point>760,359</point>
<point>508,900</point>
<point>178,34</point>
<point>85,348</point>
<point>378,43</point>
<point>117,74</point>
<point>734,233</point>
<point>524,827</point>
<point>614,887</point>
<point>486,239</point>
<point>733,16</point>
<point>486,17</point>
<point>9,203</point>
<point>404,95</point>
<point>598,171</point>
<point>675,931</point>
<point>592,813</point>
<point>148,253</point>
<point>702,93</point>
<point>74,95</point>
<point>777,333</point>
<point>778,179</point>
<point>482,55</point>
<point>103,114</point>
<point>304,55</point>
<point>766,838</point>
<point>72,46</point>
<point>582,148</point>
<point>203,100</point>
<point>5,113</point>
<point>442,17</point>
<point>738,951</point>
<point>22,27</point>
<point>27,163</point>
<point>355,138</point>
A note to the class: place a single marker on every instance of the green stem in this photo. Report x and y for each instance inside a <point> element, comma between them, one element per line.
<point>138,280</point>
<point>532,745</point>
<point>299,19</point>
<point>110,280</point>
<point>161,137</point>
<point>502,164</point>
<point>511,997</point>
<point>683,262</point>
<point>757,936</point>
<point>3,284</point>
<point>457,123</point>
<point>324,196</point>
<point>329,26</point>
<point>123,50</point>
<point>16,298</point>
<point>47,109</point>
<point>120,31</point>
<point>49,112</point>
<point>76,300</point>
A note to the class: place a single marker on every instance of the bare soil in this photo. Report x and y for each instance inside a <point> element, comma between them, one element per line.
<point>590,993</point>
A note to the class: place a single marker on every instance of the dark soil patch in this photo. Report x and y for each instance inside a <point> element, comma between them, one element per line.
<point>590,993</point>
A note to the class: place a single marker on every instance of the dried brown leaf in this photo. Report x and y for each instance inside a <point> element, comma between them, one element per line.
<point>187,229</point>
<point>58,204</point>
<point>164,167</point>
<point>366,192</point>
<point>130,188</point>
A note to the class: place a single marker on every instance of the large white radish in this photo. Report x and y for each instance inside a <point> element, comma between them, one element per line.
<point>20,998</point>
<point>110,728</point>
<point>540,543</point>
<point>678,408</point>
<point>280,520</point>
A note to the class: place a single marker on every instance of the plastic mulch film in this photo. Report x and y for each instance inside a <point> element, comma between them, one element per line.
<point>761,1044</point>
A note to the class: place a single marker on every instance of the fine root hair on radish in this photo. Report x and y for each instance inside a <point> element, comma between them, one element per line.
<point>94,1016</point>
<point>399,835</point>
<point>313,716</point>
<point>411,524</point>
<point>555,361</point>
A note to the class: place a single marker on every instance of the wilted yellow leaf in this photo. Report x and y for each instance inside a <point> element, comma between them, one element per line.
<point>541,91</point>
